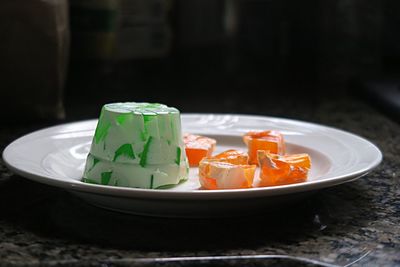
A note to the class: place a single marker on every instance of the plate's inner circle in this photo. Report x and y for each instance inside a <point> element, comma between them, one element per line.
<point>68,162</point>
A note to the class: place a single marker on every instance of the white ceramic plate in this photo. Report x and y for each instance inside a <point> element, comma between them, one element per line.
<point>56,156</point>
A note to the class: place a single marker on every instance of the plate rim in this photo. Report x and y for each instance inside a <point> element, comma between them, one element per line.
<point>136,193</point>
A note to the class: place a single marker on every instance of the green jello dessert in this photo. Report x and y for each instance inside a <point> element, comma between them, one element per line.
<point>137,145</point>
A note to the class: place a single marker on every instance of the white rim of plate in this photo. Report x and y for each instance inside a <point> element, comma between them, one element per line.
<point>136,193</point>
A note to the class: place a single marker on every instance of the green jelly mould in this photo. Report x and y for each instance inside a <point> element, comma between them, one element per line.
<point>137,145</point>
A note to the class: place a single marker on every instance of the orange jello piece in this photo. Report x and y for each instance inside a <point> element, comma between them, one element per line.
<point>281,170</point>
<point>215,174</point>
<point>233,156</point>
<point>198,147</point>
<point>271,141</point>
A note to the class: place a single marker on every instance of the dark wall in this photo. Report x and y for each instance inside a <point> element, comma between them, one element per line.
<point>222,54</point>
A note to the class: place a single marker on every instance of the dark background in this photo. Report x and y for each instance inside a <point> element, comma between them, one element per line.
<point>279,54</point>
<point>229,56</point>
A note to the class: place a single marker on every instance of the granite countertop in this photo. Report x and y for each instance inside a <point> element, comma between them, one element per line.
<point>357,223</point>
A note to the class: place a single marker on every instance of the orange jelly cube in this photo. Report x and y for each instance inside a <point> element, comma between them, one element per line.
<point>215,174</point>
<point>233,156</point>
<point>271,141</point>
<point>281,170</point>
<point>198,147</point>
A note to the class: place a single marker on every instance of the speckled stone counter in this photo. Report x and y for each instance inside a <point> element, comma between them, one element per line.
<point>354,224</point>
